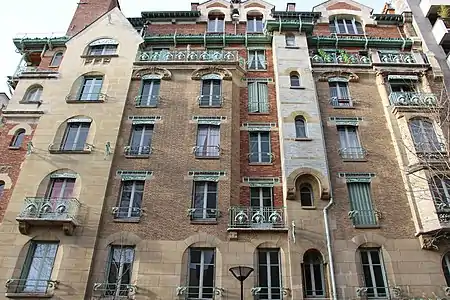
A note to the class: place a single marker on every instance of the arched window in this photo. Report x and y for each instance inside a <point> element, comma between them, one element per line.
<point>255,22</point>
<point>440,189</point>
<point>216,22</point>
<point>120,266</point>
<point>346,26</point>
<point>103,47</point>
<point>17,140</point>
<point>313,274</point>
<point>424,136</point>
<point>290,40</point>
<point>306,195</point>
<point>2,188</point>
<point>373,273</point>
<point>295,79</point>
<point>300,127</point>
<point>33,94</point>
<point>56,60</point>
<point>446,267</point>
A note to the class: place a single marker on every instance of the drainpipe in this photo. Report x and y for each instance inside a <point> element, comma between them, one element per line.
<point>329,248</point>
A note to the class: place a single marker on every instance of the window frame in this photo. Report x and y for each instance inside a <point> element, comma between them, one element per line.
<point>252,23</point>
<point>372,275</point>
<point>289,40</point>
<point>209,132</point>
<point>347,141</point>
<point>258,100</point>
<point>427,139</point>
<point>204,200</point>
<point>219,23</point>
<point>152,98</point>
<point>359,204</point>
<point>58,55</point>
<point>105,50</point>
<point>117,291</point>
<point>259,142</point>
<point>300,123</point>
<point>18,138</point>
<point>440,194</point>
<point>294,80</point>
<point>75,143</point>
<point>132,211</point>
<point>201,278</point>
<point>346,23</point>
<point>446,267</point>
<point>2,188</point>
<point>142,149</point>
<point>68,185</point>
<point>34,94</point>
<point>91,88</point>
<point>310,189</point>
<point>268,266</point>
<point>260,62</point>
<point>214,100</point>
<point>312,275</point>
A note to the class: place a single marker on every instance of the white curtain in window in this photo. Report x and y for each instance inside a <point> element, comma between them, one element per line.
<point>253,97</point>
<point>263,98</point>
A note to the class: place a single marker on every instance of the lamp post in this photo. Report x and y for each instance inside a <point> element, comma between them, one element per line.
<point>241,273</point>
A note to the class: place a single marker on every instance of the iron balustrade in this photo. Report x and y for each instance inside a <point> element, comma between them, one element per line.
<point>147,101</point>
<point>203,213</point>
<point>126,212</point>
<point>210,100</point>
<point>138,150</point>
<point>353,153</point>
<point>115,290</point>
<point>412,99</point>
<point>50,209</point>
<point>396,57</point>
<point>207,151</point>
<point>29,287</point>
<point>256,217</point>
<point>339,57</point>
<point>341,102</point>
<point>363,217</point>
<point>75,148</point>
<point>260,157</point>
<point>86,97</point>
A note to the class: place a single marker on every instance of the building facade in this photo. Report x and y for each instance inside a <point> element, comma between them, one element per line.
<point>146,156</point>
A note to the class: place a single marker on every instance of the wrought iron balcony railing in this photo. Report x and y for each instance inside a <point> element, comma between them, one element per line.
<point>364,217</point>
<point>260,157</point>
<point>126,213</point>
<point>137,151</point>
<point>199,214</point>
<point>442,210</point>
<point>341,102</point>
<point>207,151</point>
<point>256,217</point>
<point>147,101</point>
<point>199,292</point>
<point>86,98</point>
<point>115,290</point>
<point>18,287</point>
<point>33,71</point>
<point>339,57</point>
<point>353,153</point>
<point>396,57</point>
<point>193,56</point>
<point>412,99</point>
<point>261,292</point>
<point>431,150</point>
<point>70,148</point>
<point>210,100</point>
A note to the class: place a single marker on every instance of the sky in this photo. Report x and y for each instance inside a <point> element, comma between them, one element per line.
<point>45,16</point>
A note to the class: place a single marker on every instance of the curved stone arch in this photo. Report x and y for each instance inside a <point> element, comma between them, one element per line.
<point>366,238</point>
<point>350,76</point>
<point>223,73</point>
<point>298,113</point>
<point>31,88</point>
<point>60,131</point>
<point>337,14</point>
<point>76,85</point>
<point>22,125</point>
<point>210,240</point>
<point>105,40</point>
<point>44,183</point>
<point>7,180</point>
<point>152,73</point>
<point>302,246</point>
<point>324,186</point>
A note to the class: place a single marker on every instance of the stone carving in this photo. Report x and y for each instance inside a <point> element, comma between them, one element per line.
<point>352,77</point>
<point>4,169</point>
<point>161,73</point>
<point>290,194</point>
<point>434,242</point>
<point>199,73</point>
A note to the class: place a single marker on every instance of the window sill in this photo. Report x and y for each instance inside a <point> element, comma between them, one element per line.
<point>297,87</point>
<point>127,220</point>
<point>259,114</point>
<point>256,70</point>
<point>146,106</point>
<point>207,157</point>
<point>141,156</point>
<point>343,107</point>
<point>354,159</point>
<point>27,295</point>
<point>99,56</point>
<point>210,106</point>
<point>84,101</point>
<point>292,47</point>
<point>204,222</point>
<point>70,151</point>
<point>309,207</point>
<point>14,148</point>
<point>259,164</point>
<point>303,139</point>
<point>366,226</point>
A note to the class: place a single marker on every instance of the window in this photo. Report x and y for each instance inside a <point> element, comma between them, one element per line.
<point>440,189</point>
<point>204,204</point>
<point>424,136</point>
<point>446,267</point>
<point>269,274</point>
<point>211,93</point>
<point>295,79</point>
<point>38,267</point>
<point>350,146</point>
<point>290,40</point>
<point>17,140</point>
<point>208,141</point>
<point>141,140</point>
<point>313,274</point>
<point>60,188</point>
<point>260,147</point>
<point>120,266</point>
<point>131,195</point>
<point>258,97</point>
<point>255,23</point>
<point>149,94</point>
<point>2,188</point>
<point>33,94</point>
<point>201,273</point>
<point>402,87</point>
<point>300,127</point>
<point>99,50</point>
<point>306,195</point>
<point>339,93</point>
<point>374,275</point>
<point>90,90</point>
<point>257,60</point>
<point>346,26</point>
<point>75,136</point>
<point>216,23</point>
<point>261,202</point>
<point>56,60</point>
<point>362,212</point>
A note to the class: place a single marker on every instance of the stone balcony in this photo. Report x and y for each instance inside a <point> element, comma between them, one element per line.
<point>413,100</point>
<point>256,218</point>
<point>42,211</point>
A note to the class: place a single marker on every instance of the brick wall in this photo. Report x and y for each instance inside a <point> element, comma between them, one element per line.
<point>46,59</point>
<point>198,28</point>
<point>384,31</point>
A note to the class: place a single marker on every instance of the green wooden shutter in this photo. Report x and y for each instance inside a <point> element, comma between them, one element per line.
<point>361,203</point>
<point>253,97</point>
<point>263,100</point>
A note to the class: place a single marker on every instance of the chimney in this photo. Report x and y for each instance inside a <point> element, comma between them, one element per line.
<point>290,6</point>
<point>87,12</point>
<point>388,9</point>
<point>194,6</point>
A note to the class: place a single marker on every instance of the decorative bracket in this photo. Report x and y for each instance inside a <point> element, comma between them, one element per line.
<point>255,291</point>
<point>181,290</point>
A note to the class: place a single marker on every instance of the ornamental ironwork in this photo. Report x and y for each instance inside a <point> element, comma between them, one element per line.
<point>339,57</point>
<point>396,57</point>
<point>256,217</point>
<point>412,99</point>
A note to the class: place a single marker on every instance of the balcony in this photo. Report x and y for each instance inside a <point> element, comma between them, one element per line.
<point>339,58</point>
<point>210,101</point>
<point>147,101</point>
<point>440,31</point>
<point>137,151</point>
<point>207,151</point>
<point>127,214</point>
<point>30,288</point>
<point>387,57</point>
<point>364,218</point>
<point>256,218</point>
<point>114,291</point>
<point>191,56</point>
<point>70,149</point>
<point>40,211</point>
<point>87,98</point>
<point>203,214</point>
<point>34,72</point>
<point>415,100</point>
<point>341,102</point>
<point>353,153</point>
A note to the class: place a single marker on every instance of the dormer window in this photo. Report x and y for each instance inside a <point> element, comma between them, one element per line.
<point>102,47</point>
<point>254,23</point>
<point>346,26</point>
<point>216,22</point>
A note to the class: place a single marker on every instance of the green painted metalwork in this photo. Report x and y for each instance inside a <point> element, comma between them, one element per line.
<point>362,212</point>
<point>394,57</point>
<point>134,175</point>
<point>323,56</point>
<point>208,39</point>
<point>22,42</point>
<point>388,18</point>
<point>50,209</point>
<point>267,218</point>
<point>412,99</point>
<point>359,41</point>
<point>261,181</point>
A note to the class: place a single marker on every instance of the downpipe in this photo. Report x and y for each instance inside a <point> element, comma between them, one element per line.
<point>329,249</point>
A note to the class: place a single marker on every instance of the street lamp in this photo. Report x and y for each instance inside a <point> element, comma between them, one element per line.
<point>241,273</point>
